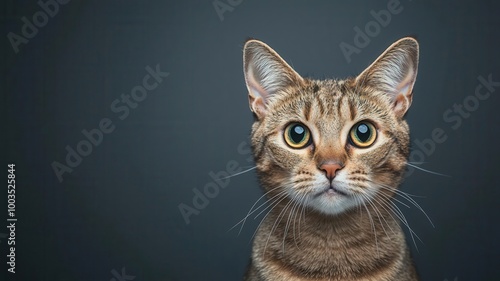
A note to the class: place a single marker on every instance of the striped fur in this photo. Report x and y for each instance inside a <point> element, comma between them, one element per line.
<point>309,234</point>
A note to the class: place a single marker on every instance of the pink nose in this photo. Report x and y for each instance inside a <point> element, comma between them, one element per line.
<point>330,169</point>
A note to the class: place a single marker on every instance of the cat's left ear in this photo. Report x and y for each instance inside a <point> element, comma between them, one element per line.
<point>393,73</point>
<point>266,75</point>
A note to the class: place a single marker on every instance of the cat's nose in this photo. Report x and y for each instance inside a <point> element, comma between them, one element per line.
<point>330,169</point>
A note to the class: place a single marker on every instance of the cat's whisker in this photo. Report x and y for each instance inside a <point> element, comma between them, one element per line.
<point>394,198</point>
<point>251,211</point>
<point>358,204</point>
<point>292,202</point>
<point>372,223</point>
<point>271,203</point>
<point>276,222</point>
<point>289,221</point>
<point>367,199</point>
<point>300,206</point>
<point>282,197</point>
<point>383,203</point>
<point>407,197</point>
<point>399,214</point>
<point>239,173</point>
<point>427,171</point>
<point>403,219</point>
<point>303,212</point>
<point>373,202</point>
<point>399,192</point>
<point>395,210</point>
<point>294,220</point>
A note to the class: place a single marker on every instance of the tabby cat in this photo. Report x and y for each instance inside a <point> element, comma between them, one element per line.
<point>330,155</point>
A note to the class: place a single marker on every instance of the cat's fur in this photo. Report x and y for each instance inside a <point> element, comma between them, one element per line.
<point>331,217</point>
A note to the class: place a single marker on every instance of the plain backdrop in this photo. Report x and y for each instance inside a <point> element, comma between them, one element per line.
<point>117,211</point>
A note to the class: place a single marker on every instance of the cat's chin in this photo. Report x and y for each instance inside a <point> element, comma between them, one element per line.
<point>331,201</point>
<point>331,198</point>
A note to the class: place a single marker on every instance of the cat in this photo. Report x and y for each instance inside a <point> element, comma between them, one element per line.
<point>330,155</point>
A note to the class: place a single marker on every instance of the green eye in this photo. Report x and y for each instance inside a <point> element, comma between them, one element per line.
<point>297,135</point>
<point>363,134</point>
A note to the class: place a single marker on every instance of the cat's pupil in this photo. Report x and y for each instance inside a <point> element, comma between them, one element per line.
<point>363,132</point>
<point>297,134</point>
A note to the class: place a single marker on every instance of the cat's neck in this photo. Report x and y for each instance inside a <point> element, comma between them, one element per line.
<point>358,239</point>
<point>369,220</point>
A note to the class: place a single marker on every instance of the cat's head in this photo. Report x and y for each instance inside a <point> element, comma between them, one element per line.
<point>330,144</point>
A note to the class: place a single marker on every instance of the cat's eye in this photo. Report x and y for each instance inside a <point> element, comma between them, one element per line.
<point>363,134</point>
<point>297,135</point>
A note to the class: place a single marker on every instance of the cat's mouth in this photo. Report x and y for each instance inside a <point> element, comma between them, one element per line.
<point>331,190</point>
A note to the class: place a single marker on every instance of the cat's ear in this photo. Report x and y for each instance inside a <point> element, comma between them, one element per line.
<point>266,74</point>
<point>394,73</point>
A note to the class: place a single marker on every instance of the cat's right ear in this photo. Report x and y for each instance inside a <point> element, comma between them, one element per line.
<point>266,74</point>
<point>393,73</point>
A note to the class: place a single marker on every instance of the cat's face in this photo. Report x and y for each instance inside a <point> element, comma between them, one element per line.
<point>334,144</point>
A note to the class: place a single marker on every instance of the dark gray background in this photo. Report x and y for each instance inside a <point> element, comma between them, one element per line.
<point>119,207</point>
